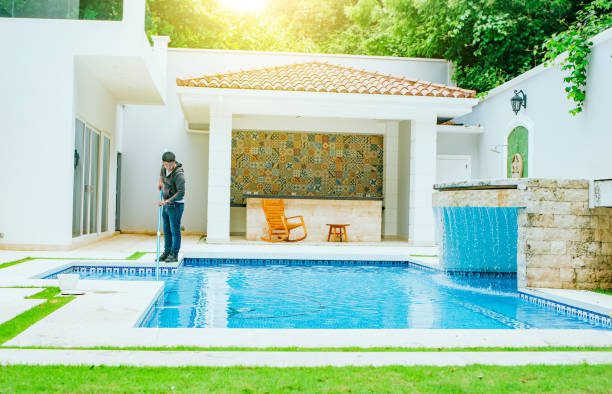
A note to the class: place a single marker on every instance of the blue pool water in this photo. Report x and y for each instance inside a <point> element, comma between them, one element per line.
<point>283,295</point>
<point>478,238</point>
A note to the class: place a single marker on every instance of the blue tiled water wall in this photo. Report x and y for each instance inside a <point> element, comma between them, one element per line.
<point>482,239</point>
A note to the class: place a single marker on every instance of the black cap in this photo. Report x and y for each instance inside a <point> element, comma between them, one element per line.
<point>168,157</point>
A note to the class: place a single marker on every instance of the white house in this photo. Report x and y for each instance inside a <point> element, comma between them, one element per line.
<point>76,112</point>
<point>56,73</point>
<point>559,145</point>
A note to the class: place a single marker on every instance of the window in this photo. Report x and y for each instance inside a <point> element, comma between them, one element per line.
<point>108,10</point>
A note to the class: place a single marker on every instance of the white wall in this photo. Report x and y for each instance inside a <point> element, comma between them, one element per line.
<point>560,145</point>
<point>199,62</point>
<point>37,114</point>
<point>94,105</point>
<point>148,131</point>
<point>461,144</point>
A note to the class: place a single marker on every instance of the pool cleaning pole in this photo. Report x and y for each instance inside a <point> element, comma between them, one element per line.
<point>159,215</point>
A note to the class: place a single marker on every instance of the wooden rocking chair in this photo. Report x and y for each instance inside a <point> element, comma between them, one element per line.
<point>279,227</point>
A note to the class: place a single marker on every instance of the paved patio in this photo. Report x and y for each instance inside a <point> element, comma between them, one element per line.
<point>294,359</point>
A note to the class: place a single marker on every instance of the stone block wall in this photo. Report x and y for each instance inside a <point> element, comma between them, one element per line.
<point>562,243</point>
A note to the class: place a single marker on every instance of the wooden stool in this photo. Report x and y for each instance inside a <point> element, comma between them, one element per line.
<point>338,230</point>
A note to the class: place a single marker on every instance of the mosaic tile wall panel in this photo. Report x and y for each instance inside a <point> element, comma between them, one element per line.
<point>306,164</point>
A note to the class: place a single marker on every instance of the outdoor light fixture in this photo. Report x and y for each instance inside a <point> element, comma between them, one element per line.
<point>497,148</point>
<point>519,100</point>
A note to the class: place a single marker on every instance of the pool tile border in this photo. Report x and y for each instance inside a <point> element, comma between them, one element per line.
<point>569,310</point>
<point>303,262</point>
<point>134,271</point>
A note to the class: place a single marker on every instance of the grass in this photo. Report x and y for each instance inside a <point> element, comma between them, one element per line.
<point>136,255</point>
<point>11,328</point>
<point>15,262</point>
<point>603,291</point>
<point>133,256</point>
<point>393,379</point>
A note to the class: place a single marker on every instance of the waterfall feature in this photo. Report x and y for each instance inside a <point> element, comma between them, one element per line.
<point>477,239</point>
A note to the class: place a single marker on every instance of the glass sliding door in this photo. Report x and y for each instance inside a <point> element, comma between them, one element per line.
<point>91,177</point>
<point>93,195</point>
<point>77,191</point>
<point>86,179</point>
<point>105,170</point>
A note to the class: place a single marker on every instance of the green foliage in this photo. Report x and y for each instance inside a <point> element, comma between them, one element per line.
<point>593,19</point>
<point>490,41</point>
<point>63,9</point>
<point>109,10</point>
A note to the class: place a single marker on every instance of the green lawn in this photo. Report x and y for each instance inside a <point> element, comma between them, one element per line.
<point>136,255</point>
<point>15,262</point>
<point>133,256</point>
<point>603,291</point>
<point>10,329</point>
<point>472,379</point>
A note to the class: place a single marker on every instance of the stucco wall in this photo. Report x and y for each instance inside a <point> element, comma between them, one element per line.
<point>39,100</point>
<point>198,62</point>
<point>461,144</point>
<point>560,145</point>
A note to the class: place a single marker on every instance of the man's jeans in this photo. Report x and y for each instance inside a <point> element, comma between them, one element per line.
<point>171,215</point>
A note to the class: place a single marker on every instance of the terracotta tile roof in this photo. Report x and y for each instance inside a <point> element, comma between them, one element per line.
<point>324,77</point>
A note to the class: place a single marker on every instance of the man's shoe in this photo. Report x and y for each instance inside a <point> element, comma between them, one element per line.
<point>172,258</point>
<point>163,256</point>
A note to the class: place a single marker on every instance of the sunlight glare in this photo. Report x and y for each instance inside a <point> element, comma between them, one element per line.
<point>244,5</point>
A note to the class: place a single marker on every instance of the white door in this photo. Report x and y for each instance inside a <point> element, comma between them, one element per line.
<point>453,168</point>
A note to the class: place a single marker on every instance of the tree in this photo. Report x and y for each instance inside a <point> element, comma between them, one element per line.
<point>490,41</point>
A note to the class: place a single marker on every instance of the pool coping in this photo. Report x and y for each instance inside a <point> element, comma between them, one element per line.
<point>168,358</point>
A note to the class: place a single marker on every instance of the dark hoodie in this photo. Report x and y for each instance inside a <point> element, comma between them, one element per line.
<point>174,184</point>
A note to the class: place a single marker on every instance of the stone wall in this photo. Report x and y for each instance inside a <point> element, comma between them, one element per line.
<point>562,243</point>
<point>364,217</point>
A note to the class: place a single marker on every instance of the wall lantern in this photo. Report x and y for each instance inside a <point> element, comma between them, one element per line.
<point>519,100</point>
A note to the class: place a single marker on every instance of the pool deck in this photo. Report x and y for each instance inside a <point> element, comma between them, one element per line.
<point>107,314</point>
<point>292,359</point>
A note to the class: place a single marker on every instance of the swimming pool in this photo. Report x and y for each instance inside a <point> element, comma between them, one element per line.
<point>342,295</point>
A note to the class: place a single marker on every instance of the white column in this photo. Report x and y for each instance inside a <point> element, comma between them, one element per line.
<point>134,15</point>
<point>219,174</point>
<point>390,178</point>
<point>422,178</point>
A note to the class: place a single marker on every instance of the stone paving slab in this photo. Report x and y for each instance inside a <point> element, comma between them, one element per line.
<point>292,359</point>
<point>13,302</point>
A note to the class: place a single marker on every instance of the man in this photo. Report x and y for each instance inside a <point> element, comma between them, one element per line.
<point>172,184</point>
